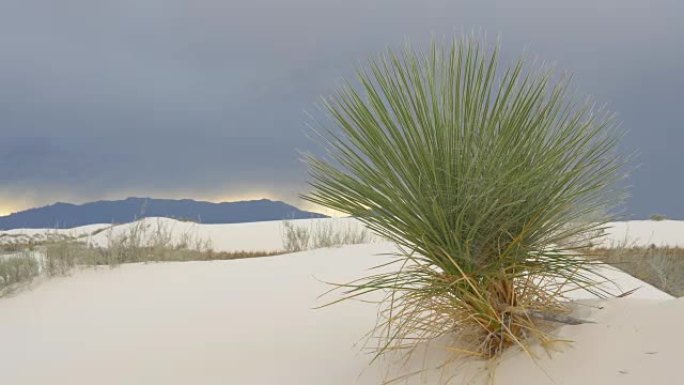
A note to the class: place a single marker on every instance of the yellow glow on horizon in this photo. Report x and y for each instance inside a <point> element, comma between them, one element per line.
<point>265,194</point>
<point>307,206</point>
<point>7,208</point>
<point>245,196</point>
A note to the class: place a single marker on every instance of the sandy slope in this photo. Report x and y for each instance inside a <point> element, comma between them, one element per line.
<point>251,322</point>
<point>633,342</point>
<point>222,322</point>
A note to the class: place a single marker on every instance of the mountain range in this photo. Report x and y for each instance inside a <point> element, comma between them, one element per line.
<point>67,215</point>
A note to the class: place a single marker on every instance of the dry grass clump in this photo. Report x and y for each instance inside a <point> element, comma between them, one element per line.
<point>322,234</point>
<point>61,258</point>
<point>17,268</point>
<point>662,267</point>
<point>481,176</point>
<point>144,241</point>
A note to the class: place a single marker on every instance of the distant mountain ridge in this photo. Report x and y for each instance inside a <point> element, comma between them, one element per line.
<point>67,215</point>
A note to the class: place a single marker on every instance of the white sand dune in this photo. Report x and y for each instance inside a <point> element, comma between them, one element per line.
<point>646,233</point>
<point>253,236</point>
<point>267,235</point>
<point>251,322</point>
<point>221,322</point>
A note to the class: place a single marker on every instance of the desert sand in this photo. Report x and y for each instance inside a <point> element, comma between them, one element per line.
<point>252,322</point>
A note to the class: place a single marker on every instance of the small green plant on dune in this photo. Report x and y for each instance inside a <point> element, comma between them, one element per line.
<point>483,176</point>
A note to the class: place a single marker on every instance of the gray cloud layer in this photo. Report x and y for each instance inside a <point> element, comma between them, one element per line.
<point>206,98</point>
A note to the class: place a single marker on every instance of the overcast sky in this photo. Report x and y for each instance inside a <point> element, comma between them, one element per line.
<point>207,99</point>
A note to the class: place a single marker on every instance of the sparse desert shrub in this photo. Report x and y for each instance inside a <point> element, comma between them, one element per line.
<point>321,234</point>
<point>60,257</point>
<point>295,238</point>
<point>662,267</point>
<point>483,178</point>
<point>144,241</point>
<point>329,233</point>
<point>657,217</point>
<point>52,254</point>
<point>16,269</point>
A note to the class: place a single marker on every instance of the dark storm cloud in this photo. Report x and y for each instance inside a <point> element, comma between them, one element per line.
<point>202,98</point>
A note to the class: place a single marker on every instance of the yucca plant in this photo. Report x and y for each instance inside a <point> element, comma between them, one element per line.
<point>485,179</point>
